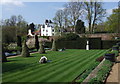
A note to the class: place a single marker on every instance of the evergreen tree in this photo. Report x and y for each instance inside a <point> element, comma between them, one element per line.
<point>32,27</point>
<point>54,47</point>
<point>19,41</point>
<point>41,49</point>
<point>25,50</point>
<point>36,42</point>
<point>80,28</point>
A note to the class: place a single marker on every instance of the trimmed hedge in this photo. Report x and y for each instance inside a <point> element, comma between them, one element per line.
<point>80,43</point>
<point>106,44</point>
<point>95,43</point>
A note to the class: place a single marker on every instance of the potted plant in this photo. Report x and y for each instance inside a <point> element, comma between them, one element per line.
<point>116,47</point>
<point>110,56</point>
<point>118,44</point>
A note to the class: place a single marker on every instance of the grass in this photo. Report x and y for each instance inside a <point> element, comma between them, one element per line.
<point>64,66</point>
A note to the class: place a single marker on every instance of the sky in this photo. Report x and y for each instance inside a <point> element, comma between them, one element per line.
<point>38,12</point>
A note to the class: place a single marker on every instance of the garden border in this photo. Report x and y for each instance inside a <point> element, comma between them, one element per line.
<point>93,73</point>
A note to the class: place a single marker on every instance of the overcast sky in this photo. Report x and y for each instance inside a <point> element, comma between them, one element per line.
<point>37,12</point>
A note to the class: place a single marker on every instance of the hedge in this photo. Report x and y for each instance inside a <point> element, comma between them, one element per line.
<point>106,44</point>
<point>95,43</point>
<point>80,43</point>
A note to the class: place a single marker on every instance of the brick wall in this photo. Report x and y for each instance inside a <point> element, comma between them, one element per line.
<point>102,36</point>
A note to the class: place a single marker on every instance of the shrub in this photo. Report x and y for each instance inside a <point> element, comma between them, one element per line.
<point>4,59</point>
<point>69,37</point>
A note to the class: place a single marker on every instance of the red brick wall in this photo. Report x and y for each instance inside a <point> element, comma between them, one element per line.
<point>103,36</point>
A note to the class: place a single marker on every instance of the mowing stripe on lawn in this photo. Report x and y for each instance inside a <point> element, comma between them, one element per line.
<point>77,64</point>
<point>67,66</point>
<point>41,67</point>
<point>48,65</point>
<point>77,67</point>
<point>34,70</point>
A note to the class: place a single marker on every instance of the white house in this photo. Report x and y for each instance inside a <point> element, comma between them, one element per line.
<point>47,29</point>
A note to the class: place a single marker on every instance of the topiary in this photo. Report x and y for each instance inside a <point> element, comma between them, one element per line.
<point>54,47</point>
<point>25,50</point>
<point>36,42</point>
<point>4,59</point>
<point>41,49</point>
<point>19,41</point>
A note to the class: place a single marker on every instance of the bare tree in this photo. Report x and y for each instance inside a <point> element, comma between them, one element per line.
<point>74,9</point>
<point>66,20</point>
<point>58,20</point>
<point>13,20</point>
<point>94,13</point>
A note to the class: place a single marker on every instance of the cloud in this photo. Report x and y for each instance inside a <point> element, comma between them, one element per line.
<point>12,2</point>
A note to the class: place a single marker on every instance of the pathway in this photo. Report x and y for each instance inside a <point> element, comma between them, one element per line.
<point>20,55</point>
<point>114,76</point>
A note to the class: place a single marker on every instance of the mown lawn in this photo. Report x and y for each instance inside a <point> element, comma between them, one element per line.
<point>63,66</point>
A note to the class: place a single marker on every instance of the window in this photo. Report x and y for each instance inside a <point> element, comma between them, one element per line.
<point>52,30</point>
<point>43,26</point>
<point>52,34</point>
<point>46,34</point>
<point>46,30</point>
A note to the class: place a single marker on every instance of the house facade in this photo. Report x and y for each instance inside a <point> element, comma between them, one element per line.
<point>47,29</point>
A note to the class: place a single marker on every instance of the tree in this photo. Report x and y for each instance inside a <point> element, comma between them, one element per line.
<point>66,20</point>
<point>13,27</point>
<point>19,41</point>
<point>8,34</point>
<point>36,42</point>
<point>74,9</point>
<point>32,27</point>
<point>58,20</point>
<point>41,49</point>
<point>54,47</point>
<point>25,50</point>
<point>80,28</point>
<point>13,20</point>
<point>94,13</point>
<point>112,23</point>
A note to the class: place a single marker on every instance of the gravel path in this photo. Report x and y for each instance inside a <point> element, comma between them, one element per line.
<point>20,55</point>
<point>115,73</point>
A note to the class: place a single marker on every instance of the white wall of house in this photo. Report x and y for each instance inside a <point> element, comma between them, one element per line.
<point>47,30</point>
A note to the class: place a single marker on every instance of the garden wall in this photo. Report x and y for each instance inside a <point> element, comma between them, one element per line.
<point>106,36</point>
